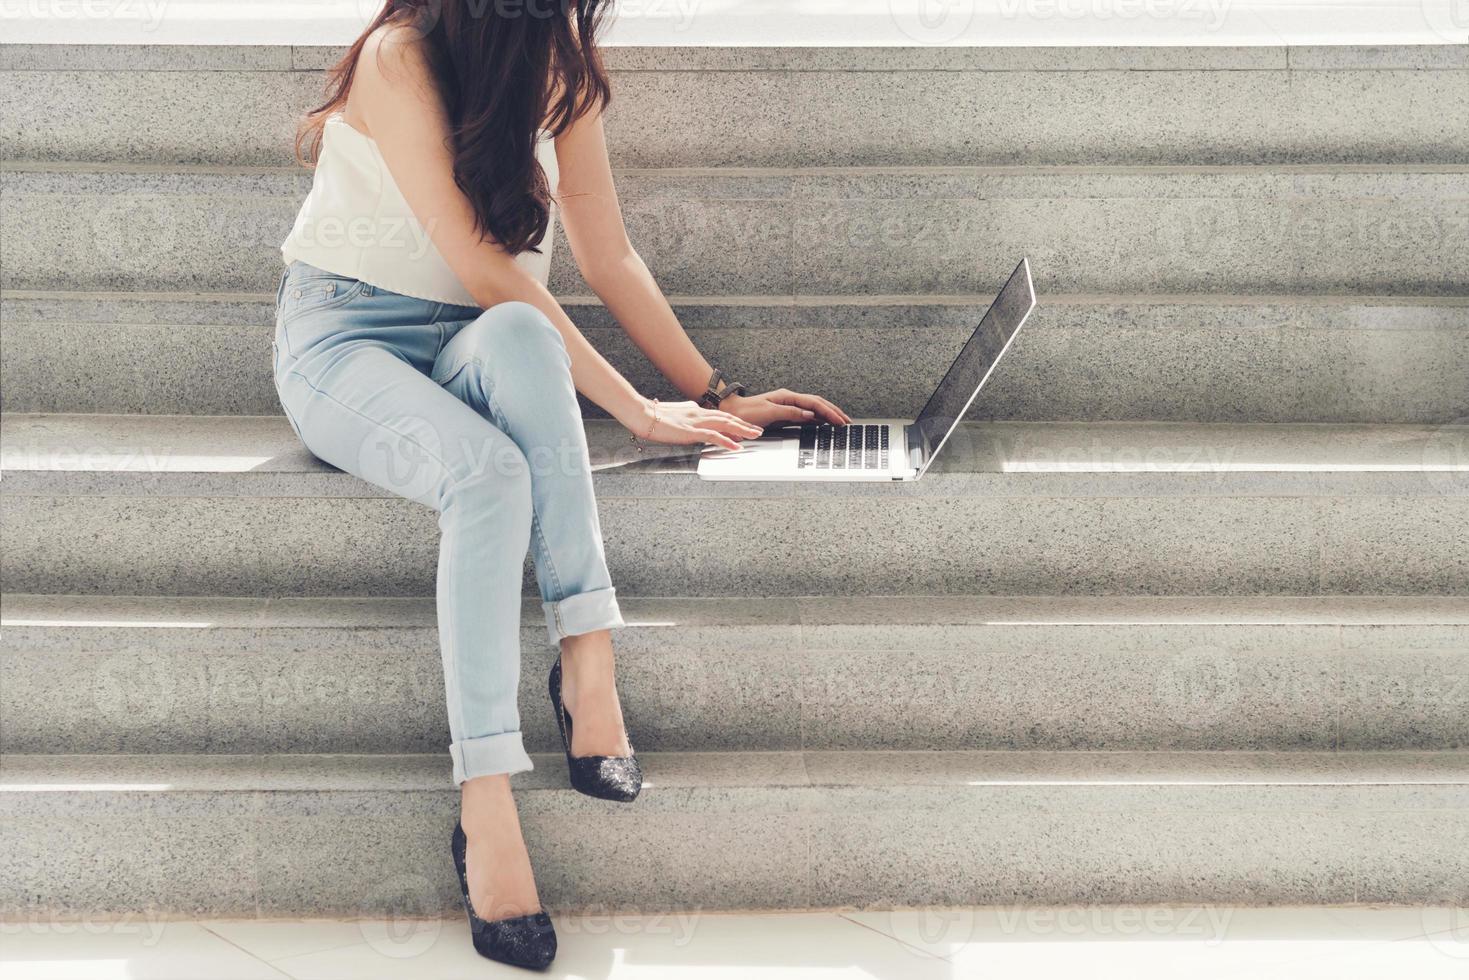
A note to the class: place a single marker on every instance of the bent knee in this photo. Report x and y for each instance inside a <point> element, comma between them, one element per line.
<point>519,330</point>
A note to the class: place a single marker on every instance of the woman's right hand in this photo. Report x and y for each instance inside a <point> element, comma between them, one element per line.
<point>688,423</point>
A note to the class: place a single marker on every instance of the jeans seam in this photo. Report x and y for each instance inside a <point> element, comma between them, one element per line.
<point>545,549</point>
<point>535,510</point>
<point>453,655</point>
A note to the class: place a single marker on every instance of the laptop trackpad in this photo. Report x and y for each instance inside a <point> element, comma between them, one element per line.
<point>762,448</point>
<point>767,456</point>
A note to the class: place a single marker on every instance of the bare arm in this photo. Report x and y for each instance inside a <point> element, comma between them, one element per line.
<point>592,216</point>
<point>394,98</point>
<point>593,219</point>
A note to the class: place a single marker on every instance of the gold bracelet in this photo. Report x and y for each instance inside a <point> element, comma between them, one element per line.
<point>651,426</point>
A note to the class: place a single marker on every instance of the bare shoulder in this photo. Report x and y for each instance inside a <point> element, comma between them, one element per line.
<point>394,55</point>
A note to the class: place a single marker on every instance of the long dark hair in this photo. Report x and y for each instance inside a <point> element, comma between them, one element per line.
<point>504,72</point>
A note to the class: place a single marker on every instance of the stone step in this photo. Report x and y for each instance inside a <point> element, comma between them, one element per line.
<point>691,106</point>
<point>1080,357</point>
<point>347,835</point>
<point>776,232</point>
<point>104,674</point>
<point>235,506</point>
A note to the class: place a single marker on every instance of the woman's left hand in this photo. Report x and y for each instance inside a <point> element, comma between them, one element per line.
<point>783,405</point>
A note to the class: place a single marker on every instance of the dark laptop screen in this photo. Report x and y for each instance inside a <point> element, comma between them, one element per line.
<point>972,367</point>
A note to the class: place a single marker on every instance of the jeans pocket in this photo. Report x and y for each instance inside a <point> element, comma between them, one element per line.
<point>303,297</point>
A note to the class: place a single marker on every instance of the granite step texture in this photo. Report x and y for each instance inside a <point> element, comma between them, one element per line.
<point>1217,502</point>
<point>801,107</point>
<point>1395,230</point>
<point>341,835</point>
<point>224,506</point>
<point>233,675</point>
<point>1080,357</point>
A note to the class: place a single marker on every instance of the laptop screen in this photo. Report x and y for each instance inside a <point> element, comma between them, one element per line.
<point>972,368</point>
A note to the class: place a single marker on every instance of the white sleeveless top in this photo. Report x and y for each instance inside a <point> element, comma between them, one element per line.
<point>355,223</point>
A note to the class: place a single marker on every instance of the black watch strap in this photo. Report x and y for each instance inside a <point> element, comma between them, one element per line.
<point>714,394</point>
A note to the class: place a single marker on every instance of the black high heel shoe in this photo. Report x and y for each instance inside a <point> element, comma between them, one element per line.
<point>527,940</point>
<point>607,777</point>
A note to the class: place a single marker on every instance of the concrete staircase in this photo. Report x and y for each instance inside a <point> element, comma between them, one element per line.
<point>1184,616</point>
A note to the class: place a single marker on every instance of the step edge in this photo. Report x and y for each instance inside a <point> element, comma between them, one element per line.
<point>18,611</point>
<point>800,300</point>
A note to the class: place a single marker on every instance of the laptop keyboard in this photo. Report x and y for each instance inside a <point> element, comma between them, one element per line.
<point>844,447</point>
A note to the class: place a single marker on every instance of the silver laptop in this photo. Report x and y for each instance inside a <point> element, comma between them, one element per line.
<point>885,449</point>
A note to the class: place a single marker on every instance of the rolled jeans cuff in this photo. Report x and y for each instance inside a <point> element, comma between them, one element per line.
<point>489,755</point>
<point>585,612</point>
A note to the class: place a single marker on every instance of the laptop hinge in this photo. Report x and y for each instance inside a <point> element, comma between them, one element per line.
<point>914,440</point>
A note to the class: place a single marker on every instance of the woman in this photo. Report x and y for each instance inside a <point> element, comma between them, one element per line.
<point>418,347</point>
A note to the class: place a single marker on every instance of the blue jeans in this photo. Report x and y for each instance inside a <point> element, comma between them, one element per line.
<point>474,414</point>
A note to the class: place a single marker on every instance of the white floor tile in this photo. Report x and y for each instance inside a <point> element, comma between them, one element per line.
<point>709,947</point>
<point>944,931</point>
<point>1147,943</point>
<point>125,951</point>
<point>1136,944</point>
<point>1277,959</point>
<point>276,939</point>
